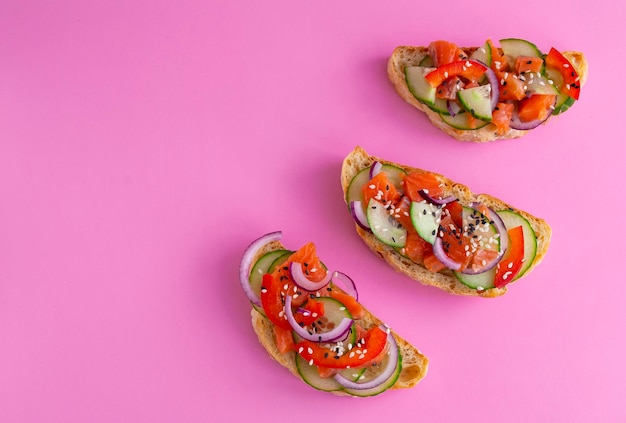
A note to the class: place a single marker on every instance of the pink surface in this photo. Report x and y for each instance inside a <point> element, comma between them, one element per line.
<point>144,144</point>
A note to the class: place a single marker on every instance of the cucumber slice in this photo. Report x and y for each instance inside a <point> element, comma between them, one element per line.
<point>514,47</point>
<point>563,101</point>
<point>419,87</point>
<point>538,84</point>
<point>461,121</point>
<point>384,226</point>
<point>440,106</point>
<point>310,375</point>
<point>355,189</point>
<point>480,281</point>
<point>371,373</point>
<point>425,218</point>
<point>265,264</point>
<point>334,312</point>
<point>477,101</point>
<point>484,237</point>
<point>482,54</point>
<point>427,62</point>
<point>512,220</point>
<point>279,260</point>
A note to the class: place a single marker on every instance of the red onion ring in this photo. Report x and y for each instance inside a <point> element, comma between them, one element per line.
<point>440,253</point>
<point>430,199</point>
<point>337,333</point>
<point>384,376</point>
<point>356,210</point>
<point>246,263</point>
<point>305,283</point>
<point>375,169</point>
<point>347,284</point>
<point>516,123</point>
<point>495,87</point>
<point>453,108</point>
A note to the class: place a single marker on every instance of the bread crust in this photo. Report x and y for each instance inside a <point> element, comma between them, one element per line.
<point>404,56</point>
<point>414,363</point>
<point>359,159</point>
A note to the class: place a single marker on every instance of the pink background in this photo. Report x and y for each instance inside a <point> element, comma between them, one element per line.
<point>144,144</point>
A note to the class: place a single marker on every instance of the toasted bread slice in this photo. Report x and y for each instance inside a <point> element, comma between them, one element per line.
<point>404,56</point>
<point>359,159</point>
<point>414,363</point>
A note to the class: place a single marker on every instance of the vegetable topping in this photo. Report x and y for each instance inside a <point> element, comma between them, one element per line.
<point>322,322</point>
<point>521,87</point>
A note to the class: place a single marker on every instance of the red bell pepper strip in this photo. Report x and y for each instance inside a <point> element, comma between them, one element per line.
<point>468,69</point>
<point>361,354</point>
<point>511,263</point>
<point>571,80</point>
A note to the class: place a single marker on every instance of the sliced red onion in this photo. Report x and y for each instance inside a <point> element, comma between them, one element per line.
<point>433,200</point>
<point>498,223</point>
<point>516,123</point>
<point>453,108</point>
<point>337,333</point>
<point>356,210</point>
<point>385,374</point>
<point>495,87</point>
<point>305,283</point>
<point>247,261</point>
<point>347,284</point>
<point>440,253</point>
<point>375,169</point>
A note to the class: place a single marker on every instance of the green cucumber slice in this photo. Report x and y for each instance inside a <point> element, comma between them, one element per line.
<point>514,47</point>
<point>477,101</point>
<point>384,226</point>
<point>265,264</point>
<point>461,121</point>
<point>371,373</point>
<point>563,101</point>
<point>480,281</point>
<point>427,62</point>
<point>334,312</point>
<point>279,260</point>
<point>512,220</point>
<point>440,106</point>
<point>419,87</point>
<point>483,233</point>
<point>425,218</point>
<point>482,54</point>
<point>310,375</point>
<point>355,189</point>
<point>536,83</point>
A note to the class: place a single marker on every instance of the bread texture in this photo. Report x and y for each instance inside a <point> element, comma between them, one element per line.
<point>414,363</point>
<point>359,159</point>
<point>404,56</point>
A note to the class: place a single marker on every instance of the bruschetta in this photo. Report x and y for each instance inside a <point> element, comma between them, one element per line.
<point>438,231</point>
<point>310,320</point>
<point>497,91</point>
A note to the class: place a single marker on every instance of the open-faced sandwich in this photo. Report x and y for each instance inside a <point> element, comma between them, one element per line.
<point>496,91</point>
<point>309,319</point>
<point>439,232</point>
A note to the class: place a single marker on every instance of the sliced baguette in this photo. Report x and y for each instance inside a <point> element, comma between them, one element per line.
<point>404,56</point>
<point>359,159</point>
<point>414,363</point>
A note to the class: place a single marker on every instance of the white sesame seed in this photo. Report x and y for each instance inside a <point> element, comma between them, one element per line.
<point>566,65</point>
<point>300,350</point>
<point>372,186</point>
<point>445,74</point>
<point>510,265</point>
<point>310,362</point>
<point>309,350</point>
